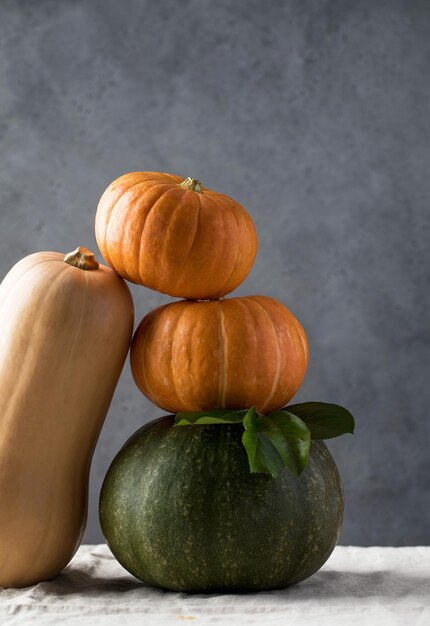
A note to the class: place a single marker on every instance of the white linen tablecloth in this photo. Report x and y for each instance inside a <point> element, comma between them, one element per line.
<point>356,586</point>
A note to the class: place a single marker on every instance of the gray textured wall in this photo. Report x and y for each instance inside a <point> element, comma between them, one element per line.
<point>315,115</point>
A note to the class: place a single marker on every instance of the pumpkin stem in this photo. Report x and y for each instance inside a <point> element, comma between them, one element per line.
<point>192,184</point>
<point>82,258</point>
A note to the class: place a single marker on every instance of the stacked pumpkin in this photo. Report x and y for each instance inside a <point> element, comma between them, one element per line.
<point>233,491</point>
<point>196,509</point>
<point>206,352</point>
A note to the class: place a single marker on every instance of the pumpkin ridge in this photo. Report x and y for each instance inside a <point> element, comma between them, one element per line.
<point>304,341</point>
<point>279,353</point>
<point>152,207</point>
<point>141,353</point>
<point>209,200</point>
<point>199,208</point>
<point>173,177</point>
<point>184,265</point>
<point>172,369</point>
<point>294,331</point>
<point>160,177</point>
<point>227,202</point>
<point>137,209</point>
<point>105,222</point>
<point>223,355</point>
<point>110,211</point>
<point>177,209</point>
<point>140,182</point>
<point>249,315</point>
<point>227,280</point>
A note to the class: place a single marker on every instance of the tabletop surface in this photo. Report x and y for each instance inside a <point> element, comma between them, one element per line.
<point>356,586</point>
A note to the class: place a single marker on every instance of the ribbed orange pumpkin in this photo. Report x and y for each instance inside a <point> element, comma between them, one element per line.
<point>174,235</point>
<point>230,353</point>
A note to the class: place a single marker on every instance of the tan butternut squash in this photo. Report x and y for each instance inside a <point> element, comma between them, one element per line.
<point>65,330</point>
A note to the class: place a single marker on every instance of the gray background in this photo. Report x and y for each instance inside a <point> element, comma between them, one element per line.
<point>314,115</point>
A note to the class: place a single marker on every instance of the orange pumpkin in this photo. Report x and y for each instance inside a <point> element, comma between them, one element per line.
<point>174,235</point>
<point>230,353</point>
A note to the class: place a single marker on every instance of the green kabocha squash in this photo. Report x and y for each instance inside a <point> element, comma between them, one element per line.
<point>180,510</point>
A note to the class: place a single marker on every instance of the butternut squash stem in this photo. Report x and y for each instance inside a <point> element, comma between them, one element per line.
<point>82,258</point>
<point>192,184</point>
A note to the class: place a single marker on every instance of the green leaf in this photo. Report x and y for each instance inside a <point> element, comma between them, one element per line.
<point>217,416</point>
<point>324,420</point>
<point>295,442</point>
<point>275,440</point>
<point>262,455</point>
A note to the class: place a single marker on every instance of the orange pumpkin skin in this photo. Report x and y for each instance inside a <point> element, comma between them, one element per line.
<point>232,353</point>
<point>155,230</point>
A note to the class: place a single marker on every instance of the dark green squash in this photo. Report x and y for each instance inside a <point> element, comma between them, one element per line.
<point>180,510</point>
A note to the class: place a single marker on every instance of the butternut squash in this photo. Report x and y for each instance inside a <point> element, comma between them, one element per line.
<point>65,330</point>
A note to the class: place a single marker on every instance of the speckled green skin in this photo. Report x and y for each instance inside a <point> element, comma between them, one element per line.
<point>180,510</point>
